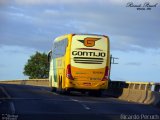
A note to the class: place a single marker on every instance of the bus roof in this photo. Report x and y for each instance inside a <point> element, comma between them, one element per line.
<point>59,38</point>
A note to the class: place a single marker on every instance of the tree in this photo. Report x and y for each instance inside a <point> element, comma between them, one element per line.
<point>37,66</point>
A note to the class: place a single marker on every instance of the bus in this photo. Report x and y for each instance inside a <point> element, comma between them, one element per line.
<point>80,62</point>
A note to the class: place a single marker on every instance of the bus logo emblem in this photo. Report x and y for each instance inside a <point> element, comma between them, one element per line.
<point>89,42</point>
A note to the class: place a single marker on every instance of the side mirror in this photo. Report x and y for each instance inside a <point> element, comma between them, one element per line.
<point>112,60</point>
<point>49,55</point>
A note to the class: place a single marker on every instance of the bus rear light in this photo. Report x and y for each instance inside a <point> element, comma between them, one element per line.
<point>68,72</point>
<point>106,75</point>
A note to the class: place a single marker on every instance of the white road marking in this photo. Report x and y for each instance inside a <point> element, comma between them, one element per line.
<point>13,110</point>
<point>80,102</point>
<point>5,92</point>
<point>86,107</point>
<point>75,100</point>
<point>11,104</point>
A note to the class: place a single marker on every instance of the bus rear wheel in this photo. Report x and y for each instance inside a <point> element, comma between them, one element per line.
<point>53,89</point>
<point>60,89</point>
<point>96,93</point>
<point>83,92</point>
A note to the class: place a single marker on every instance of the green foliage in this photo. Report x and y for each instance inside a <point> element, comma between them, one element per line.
<point>37,66</point>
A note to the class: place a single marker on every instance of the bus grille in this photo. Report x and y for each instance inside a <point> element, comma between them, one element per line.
<point>88,60</point>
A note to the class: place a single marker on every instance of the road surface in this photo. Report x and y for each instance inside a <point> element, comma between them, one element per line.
<point>24,102</point>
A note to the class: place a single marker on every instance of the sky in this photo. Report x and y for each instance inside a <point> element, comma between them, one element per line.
<point>27,26</point>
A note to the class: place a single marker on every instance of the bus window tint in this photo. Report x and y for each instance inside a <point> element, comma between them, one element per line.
<point>59,48</point>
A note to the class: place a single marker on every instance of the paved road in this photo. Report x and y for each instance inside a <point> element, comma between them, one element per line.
<point>22,102</point>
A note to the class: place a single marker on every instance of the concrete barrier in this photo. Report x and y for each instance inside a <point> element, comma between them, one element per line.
<point>155,99</point>
<point>35,82</point>
<point>152,98</point>
<point>125,94</point>
<point>143,96</point>
<point>141,92</point>
<point>134,95</point>
<point>149,97</point>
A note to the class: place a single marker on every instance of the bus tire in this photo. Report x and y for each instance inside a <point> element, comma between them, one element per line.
<point>66,92</point>
<point>53,89</point>
<point>96,93</point>
<point>83,92</point>
<point>60,89</point>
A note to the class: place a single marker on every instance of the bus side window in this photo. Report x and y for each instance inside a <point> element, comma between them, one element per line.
<point>59,48</point>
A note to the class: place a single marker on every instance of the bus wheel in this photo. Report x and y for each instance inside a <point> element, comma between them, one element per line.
<point>53,89</point>
<point>83,92</point>
<point>96,93</point>
<point>60,89</point>
<point>90,93</point>
<point>67,92</point>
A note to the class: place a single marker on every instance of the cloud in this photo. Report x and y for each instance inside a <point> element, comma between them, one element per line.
<point>30,25</point>
<point>133,63</point>
<point>53,2</point>
<point>13,59</point>
<point>155,65</point>
<point>42,2</point>
<point>2,66</point>
<point>4,2</point>
<point>37,26</point>
<point>13,50</point>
